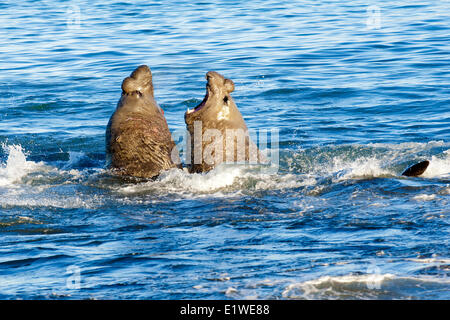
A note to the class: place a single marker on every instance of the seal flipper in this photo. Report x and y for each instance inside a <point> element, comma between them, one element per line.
<point>417,169</point>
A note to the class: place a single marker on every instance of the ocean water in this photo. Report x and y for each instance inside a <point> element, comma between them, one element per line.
<point>357,91</point>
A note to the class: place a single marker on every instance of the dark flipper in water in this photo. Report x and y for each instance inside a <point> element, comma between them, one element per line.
<point>417,169</point>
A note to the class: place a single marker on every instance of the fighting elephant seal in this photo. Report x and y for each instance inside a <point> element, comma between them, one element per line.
<point>138,140</point>
<point>217,130</point>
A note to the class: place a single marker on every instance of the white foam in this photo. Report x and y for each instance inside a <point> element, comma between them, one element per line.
<point>348,162</point>
<point>74,158</point>
<point>231,291</point>
<point>439,166</point>
<point>64,202</point>
<point>216,179</point>
<point>361,286</point>
<point>433,260</point>
<point>425,197</point>
<point>359,168</point>
<point>223,180</point>
<point>409,147</point>
<point>18,190</point>
<point>326,286</point>
<point>176,180</point>
<point>16,166</point>
<point>278,182</point>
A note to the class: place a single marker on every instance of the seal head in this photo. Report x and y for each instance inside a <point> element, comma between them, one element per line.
<point>217,101</point>
<point>139,82</point>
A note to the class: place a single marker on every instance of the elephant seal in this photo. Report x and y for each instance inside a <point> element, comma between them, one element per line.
<point>417,169</point>
<point>217,131</point>
<point>138,140</point>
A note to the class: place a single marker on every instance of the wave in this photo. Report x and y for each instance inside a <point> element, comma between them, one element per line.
<point>224,180</point>
<point>369,286</point>
<point>26,183</point>
<point>439,166</point>
<point>349,162</point>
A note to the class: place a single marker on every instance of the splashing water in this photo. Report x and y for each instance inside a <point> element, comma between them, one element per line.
<point>439,166</point>
<point>16,166</point>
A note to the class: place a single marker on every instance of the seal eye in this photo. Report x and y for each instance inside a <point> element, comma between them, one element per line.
<point>225,99</point>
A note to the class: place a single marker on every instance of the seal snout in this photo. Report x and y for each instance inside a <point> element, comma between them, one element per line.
<point>216,80</point>
<point>217,88</point>
<point>139,81</point>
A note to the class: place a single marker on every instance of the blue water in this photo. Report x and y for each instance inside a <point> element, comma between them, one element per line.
<point>357,90</point>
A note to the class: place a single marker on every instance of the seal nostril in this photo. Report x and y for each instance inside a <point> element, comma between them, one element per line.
<point>225,99</point>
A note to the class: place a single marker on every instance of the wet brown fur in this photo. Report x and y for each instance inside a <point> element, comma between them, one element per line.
<point>218,99</point>
<point>138,140</point>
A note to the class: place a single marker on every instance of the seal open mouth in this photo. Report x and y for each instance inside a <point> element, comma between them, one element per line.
<point>201,105</point>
